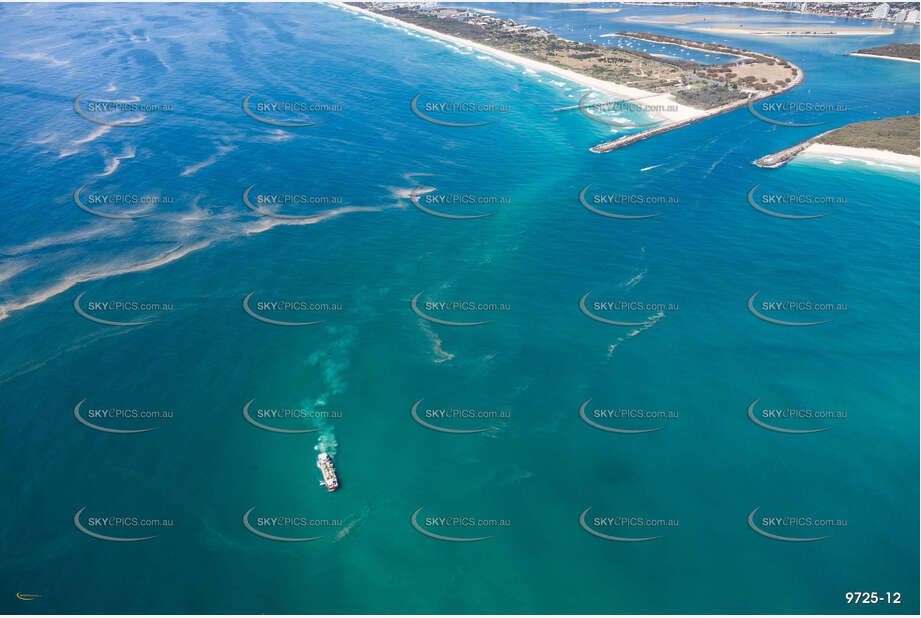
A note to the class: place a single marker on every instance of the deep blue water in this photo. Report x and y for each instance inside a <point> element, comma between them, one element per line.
<point>368,253</point>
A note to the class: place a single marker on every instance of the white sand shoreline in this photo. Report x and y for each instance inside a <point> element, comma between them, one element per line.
<point>876,155</point>
<point>675,20</point>
<point>798,31</point>
<point>883,57</point>
<point>660,106</point>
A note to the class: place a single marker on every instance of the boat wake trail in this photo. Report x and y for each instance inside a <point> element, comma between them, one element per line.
<point>635,279</point>
<point>649,323</point>
<point>354,521</point>
<point>326,442</point>
<point>440,354</point>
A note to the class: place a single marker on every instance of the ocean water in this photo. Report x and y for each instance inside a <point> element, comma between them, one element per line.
<point>365,252</point>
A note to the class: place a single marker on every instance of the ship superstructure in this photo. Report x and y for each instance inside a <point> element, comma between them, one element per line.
<point>325,464</point>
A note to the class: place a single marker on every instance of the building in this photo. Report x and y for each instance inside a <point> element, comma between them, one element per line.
<point>880,12</point>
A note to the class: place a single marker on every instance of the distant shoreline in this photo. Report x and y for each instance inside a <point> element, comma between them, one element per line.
<point>799,31</point>
<point>595,10</point>
<point>661,106</point>
<point>889,139</point>
<point>864,154</point>
<point>883,57</point>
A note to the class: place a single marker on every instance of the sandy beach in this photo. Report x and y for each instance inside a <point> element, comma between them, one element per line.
<point>660,106</point>
<point>830,151</point>
<point>683,18</point>
<point>799,31</point>
<point>595,10</point>
<point>884,57</point>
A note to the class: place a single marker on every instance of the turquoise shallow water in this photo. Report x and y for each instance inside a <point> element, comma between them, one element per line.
<point>704,356</point>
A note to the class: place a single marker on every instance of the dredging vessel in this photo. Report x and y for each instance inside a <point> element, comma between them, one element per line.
<point>325,464</point>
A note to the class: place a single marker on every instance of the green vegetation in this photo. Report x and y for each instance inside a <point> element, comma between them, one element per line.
<point>707,96</point>
<point>899,134</point>
<point>747,70</point>
<point>895,50</point>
